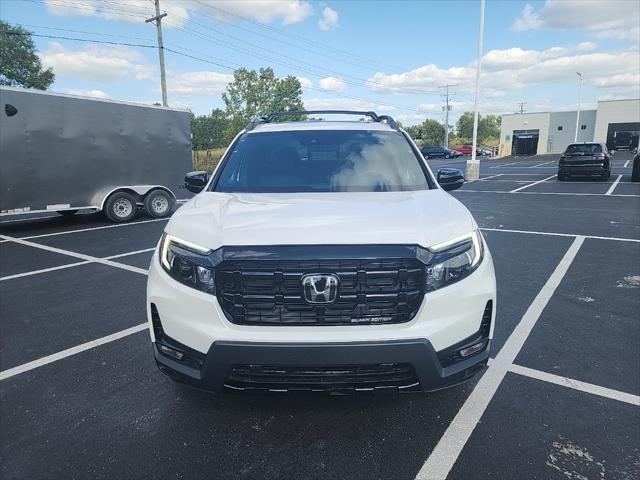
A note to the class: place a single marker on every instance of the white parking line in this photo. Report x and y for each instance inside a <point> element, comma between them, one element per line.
<point>614,185</point>
<point>544,163</point>
<point>102,227</point>
<point>576,384</point>
<point>44,270</point>
<point>68,265</point>
<point>531,184</point>
<point>81,256</point>
<point>443,457</point>
<point>503,165</point>
<point>25,367</point>
<point>574,194</point>
<point>553,234</point>
<point>626,164</point>
<point>490,176</point>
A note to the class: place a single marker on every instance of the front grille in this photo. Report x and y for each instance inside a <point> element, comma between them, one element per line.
<point>269,292</point>
<point>326,378</point>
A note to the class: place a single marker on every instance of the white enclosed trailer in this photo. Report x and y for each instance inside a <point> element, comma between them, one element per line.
<point>66,153</point>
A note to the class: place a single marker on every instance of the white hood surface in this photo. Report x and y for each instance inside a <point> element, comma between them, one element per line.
<point>425,218</point>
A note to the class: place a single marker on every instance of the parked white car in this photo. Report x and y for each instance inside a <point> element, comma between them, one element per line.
<point>322,256</point>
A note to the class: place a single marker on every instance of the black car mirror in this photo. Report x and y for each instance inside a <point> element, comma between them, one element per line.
<point>196,181</point>
<point>450,178</point>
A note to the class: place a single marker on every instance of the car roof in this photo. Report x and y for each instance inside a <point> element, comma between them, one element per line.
<point>320,125</point>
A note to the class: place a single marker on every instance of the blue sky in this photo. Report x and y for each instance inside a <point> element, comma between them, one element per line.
<point>389,56</point>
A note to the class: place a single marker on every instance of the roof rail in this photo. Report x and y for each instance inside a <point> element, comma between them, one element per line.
<point>297,113</point>
<point>255,121</point>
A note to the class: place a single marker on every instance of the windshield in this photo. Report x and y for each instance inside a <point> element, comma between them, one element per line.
<point>584,148</point>
<point>322,161</point>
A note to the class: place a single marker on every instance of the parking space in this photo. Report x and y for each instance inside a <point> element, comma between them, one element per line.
<point>81,395</point>
<point>534,429</point>
<point>589,331</point>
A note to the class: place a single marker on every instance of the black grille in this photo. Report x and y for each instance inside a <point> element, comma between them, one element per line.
<point>326,378</point>
<point>269,292</point>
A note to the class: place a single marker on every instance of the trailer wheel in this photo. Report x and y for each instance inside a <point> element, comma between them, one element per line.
<point>67,213</point>
<point>158,203</point>
<point>121,207</point>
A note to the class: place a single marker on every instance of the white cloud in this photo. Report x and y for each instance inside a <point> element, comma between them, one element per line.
<point>329,19</point>
<point>345,104</point>
<point>305,82</point>
<point>100,63</point>
<point>89,93</point>
<point>529,20</point>
<point>601,18</point>
<point>515,68</point>
<point>197,83</point>
<point>332,83</point>
<point>267,11</point>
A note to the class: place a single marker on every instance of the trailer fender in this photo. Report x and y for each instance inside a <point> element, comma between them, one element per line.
<point>138,191</point>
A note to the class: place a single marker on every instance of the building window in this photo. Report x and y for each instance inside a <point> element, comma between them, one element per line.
<point>560,128</point>
<point>508,138</point>
<point>583,127</point>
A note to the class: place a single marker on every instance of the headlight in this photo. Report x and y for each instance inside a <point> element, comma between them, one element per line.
<point>454,260</point>
<point>187,263</point>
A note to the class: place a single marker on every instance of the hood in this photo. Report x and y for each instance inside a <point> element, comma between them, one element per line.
<point>425,218</point>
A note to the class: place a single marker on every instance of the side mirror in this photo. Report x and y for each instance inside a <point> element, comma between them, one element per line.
<point>450,178</point>
<point>196,181</point>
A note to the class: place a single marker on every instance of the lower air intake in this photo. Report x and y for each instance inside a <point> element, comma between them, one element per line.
<point>398,376</point>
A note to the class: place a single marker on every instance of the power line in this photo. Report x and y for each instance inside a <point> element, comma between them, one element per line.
<point>317,70</point>
<point>228,67</point>
<point>90,40</point>
<point>299,38</point>
<point>313,70</point>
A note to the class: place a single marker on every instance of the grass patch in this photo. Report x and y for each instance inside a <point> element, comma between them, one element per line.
<point>207,159</point>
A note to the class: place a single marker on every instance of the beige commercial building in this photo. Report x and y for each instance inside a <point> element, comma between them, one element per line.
<point>616,122</point>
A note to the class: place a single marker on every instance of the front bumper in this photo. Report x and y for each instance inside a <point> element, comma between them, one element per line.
<point>403,365</point>
<point>449,319</point>
<point>583,170</point>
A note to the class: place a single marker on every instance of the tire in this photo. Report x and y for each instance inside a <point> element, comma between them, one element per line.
<point>447,156</point>
<point>121,207</point>
<point>158,203</point>
<point>67,213</point>
<point>635,175</point>
<point>562,176</point>
<point>605,176</point>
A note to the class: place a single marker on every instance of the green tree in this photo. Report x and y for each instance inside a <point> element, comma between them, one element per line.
<point>414,132</point>
<point>488,127</point>
<point>432,132</point>
<point>209,130</point>
<point>256,93</point>
<point>19,63</point>
<point>464,127</point>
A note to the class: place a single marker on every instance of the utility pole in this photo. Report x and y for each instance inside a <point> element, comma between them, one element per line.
<point>575,138</point>
<point>473,166</point>
<point>446,108</point>
<point>157,20</point>
<point>521,105</point>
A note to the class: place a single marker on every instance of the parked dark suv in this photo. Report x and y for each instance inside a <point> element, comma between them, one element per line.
<point>435,152</point>
<point>585,159</point>
<point>635,172</point>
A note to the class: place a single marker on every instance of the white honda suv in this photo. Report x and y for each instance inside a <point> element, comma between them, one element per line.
<point>322,255</point>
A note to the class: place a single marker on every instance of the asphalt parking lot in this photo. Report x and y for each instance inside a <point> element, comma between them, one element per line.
<point>81,396</point>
